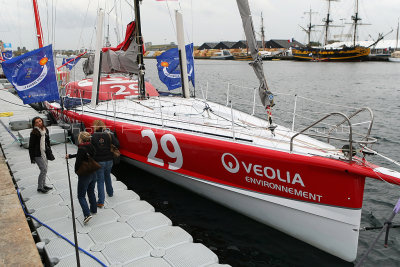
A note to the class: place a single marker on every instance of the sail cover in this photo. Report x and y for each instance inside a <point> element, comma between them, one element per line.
<point>122,59</point>
<point>266,96</point>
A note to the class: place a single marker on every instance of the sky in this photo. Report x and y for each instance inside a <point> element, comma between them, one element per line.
<point>71,24</point>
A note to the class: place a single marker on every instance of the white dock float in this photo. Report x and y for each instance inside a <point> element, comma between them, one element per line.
<point>126,232</point>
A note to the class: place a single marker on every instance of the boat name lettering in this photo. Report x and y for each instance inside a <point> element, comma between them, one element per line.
<point>286,189</point>
<point>231,164</point>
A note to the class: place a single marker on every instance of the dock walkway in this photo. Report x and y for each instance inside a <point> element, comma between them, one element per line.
<point>126,232</point>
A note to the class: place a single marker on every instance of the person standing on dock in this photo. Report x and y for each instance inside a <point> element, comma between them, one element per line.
<point>102,140</point>
<point>40,151</point>
<point>86,183</point>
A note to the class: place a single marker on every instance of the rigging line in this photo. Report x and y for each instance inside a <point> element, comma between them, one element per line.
<point>83,24</point>
<point>191,11</point>
<point>186,32</point>
<point>47,20</point>
<point>54,26</point>
<point>170,16</point>
<point>14,103</point>
<point>52,20</point>
<point>367,164</point>
<point>306,144</point>
<point>129,5</point>
<point>321,102</point>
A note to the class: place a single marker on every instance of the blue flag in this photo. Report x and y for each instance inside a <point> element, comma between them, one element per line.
<point>169,68</point>
<point>33,75</point>
<point>71,64</point>
<point>7,54</point>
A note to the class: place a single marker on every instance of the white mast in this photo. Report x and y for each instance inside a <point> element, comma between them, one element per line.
<point>99,45</point>
<point>397,35</point>
<point>182,54</point>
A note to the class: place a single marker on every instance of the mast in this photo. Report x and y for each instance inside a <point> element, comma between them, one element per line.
<point>108,44</point>
<point>97,59</point>
<point>355,18</point>
<point>182,54</point>
<point>397,35</point>
<point>262,32</point>
<point>139,41</point>
<point>39,32</point>
<point>310,27</point>
<point>327,21</point>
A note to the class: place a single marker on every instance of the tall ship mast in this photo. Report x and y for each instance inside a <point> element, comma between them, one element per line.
<point>262,32</point>
<point>309,27</point>
<point>327,21</point>
<point>355,18</point>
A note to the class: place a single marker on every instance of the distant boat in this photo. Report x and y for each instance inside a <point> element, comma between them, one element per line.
<point>395,56</point>
<point>222,54</point>
<point>344,53</point>
<point>242,56</point>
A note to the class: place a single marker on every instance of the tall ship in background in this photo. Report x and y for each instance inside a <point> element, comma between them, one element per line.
<point>345,53</point>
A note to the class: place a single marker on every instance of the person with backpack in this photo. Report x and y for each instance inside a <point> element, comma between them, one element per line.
<point>86,182</point>
<point>102,140</point>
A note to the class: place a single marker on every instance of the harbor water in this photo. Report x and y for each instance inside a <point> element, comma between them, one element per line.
<point>240,241</point>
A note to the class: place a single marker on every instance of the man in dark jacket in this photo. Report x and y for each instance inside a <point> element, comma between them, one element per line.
<point>40,151</point>
<point>102,141</point>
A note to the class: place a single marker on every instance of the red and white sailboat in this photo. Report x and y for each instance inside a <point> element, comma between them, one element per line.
<point>301,186</point>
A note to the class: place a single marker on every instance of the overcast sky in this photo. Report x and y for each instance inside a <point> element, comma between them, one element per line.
<point>70,25</point>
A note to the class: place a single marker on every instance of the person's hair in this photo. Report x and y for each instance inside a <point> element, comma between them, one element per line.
<point>99,126</point>
<point>34,119</point>
<point>84,137</point>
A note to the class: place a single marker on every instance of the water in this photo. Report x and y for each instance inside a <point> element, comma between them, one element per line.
<point>240,241</point>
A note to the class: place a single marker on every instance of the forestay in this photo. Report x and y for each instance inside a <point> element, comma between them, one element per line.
<point>265,95</point>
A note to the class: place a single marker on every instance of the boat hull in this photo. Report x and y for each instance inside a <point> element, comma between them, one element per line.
<point>394,59</point>
<point>230,57</point>
<point>311,223</point>
<point>344,54</point>
<point>315,199</point>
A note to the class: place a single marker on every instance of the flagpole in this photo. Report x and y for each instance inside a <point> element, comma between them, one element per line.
<point>182,54</point>
<point>78,56</point>
<point>39,32</point>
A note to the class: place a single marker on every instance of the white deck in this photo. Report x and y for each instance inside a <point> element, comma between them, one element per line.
<point>209,119</point>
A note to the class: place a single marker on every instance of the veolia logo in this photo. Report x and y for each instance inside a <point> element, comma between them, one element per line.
<point>232,165</point>
<point>228,160</point>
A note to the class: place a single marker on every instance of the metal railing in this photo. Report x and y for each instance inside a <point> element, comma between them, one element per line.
<point>367,139</point>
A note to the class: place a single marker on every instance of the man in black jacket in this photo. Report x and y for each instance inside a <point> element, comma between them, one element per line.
<point>40,151</point>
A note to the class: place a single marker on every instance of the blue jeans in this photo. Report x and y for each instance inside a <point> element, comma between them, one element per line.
<point>86,184</point>
<point>42,164</point>
<point>103,176</point>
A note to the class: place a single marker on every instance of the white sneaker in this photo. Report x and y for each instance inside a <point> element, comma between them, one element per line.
<point>87,219</point>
